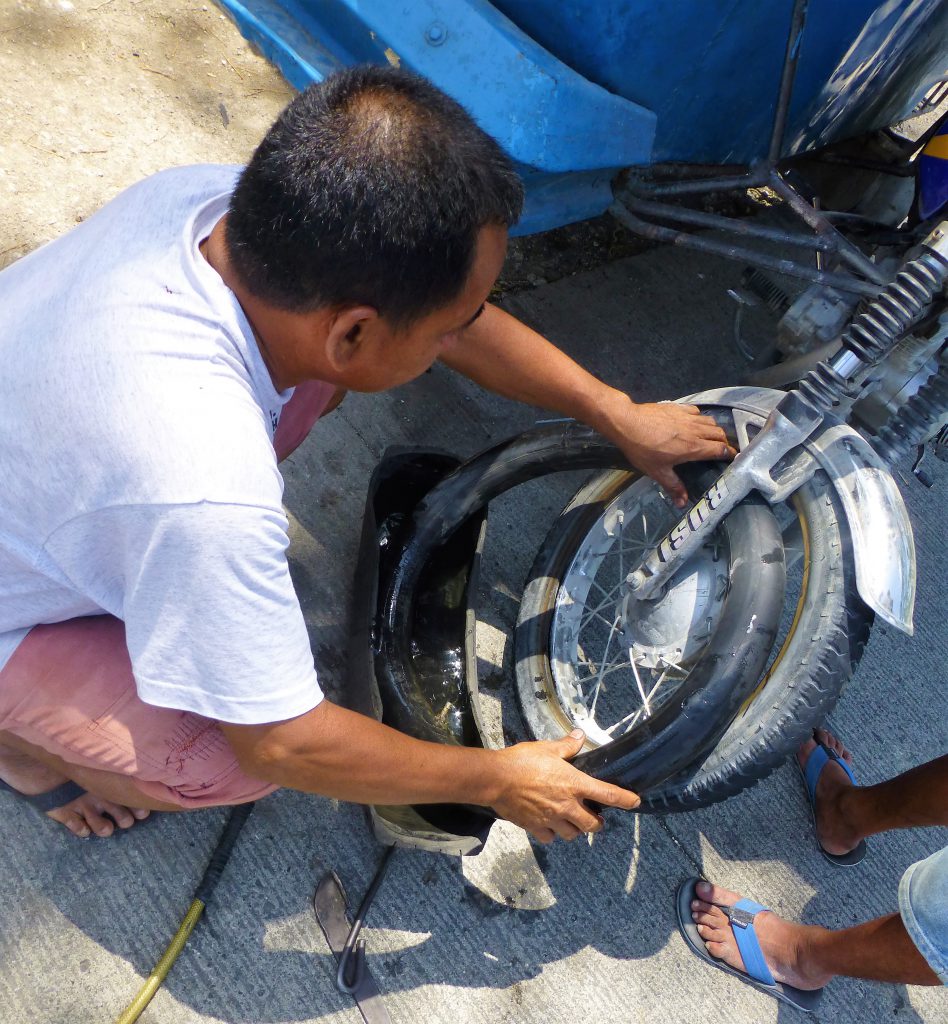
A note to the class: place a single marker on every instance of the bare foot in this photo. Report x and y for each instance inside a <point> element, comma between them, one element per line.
<point>782,943</point>
<point>83,816</point>
<point>833,832</point>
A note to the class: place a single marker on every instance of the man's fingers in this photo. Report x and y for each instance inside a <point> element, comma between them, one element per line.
<point>543,835</point>
<point>710,430</point>
<point>707,449</point>
<point>671,484</point>
<point>611,796</point>
<point>719,450</point>
<point>584,820</point>
<point>570,745</point>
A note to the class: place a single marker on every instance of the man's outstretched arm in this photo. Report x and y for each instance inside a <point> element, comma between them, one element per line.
<point>338,753</point>
<point>507,357</point>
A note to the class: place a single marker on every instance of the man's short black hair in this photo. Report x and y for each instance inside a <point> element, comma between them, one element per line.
<point>371,187</point>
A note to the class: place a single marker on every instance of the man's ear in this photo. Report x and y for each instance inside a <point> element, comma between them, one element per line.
<point>349,331</point>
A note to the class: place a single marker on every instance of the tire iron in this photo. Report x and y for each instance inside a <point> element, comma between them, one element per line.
<point>352,977</point>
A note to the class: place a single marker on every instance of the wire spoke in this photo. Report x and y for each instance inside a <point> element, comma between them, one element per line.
<point>604,675</point>
<point>598,688</point>
<point>602,590</point>
<point>638,683</point>
<point>607,669</point>
<point>610,597</point>
<point>630,718</point>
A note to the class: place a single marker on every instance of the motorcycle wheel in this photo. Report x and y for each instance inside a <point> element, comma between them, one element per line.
<point>574,669</point>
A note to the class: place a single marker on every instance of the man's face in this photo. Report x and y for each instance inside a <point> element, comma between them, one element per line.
<point>389,358</point>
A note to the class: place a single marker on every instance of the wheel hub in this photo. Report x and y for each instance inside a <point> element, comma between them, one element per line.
<point>672,629</point>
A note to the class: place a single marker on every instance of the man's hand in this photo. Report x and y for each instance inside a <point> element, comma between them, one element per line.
<point>656,437</point>
<point>546,795</point>
<point>504,355</point>
<point>338,753</point>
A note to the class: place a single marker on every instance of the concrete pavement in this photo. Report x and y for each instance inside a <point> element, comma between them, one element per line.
<point>522,933</point>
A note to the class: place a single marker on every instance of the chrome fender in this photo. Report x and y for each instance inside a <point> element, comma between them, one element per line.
<point>878,521</point>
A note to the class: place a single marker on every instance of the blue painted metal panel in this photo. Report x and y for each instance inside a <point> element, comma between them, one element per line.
<point>546,115</point>
<point>568,135</point>
<point>899,52</point>
<point>576,89</point>
<point>711,69</point>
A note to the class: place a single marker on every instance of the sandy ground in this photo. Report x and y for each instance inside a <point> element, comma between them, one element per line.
<point>99,93</point>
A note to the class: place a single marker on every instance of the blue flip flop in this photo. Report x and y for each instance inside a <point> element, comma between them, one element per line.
<point>49,801</point>
<point>819,758</point>
<point>741,917</point>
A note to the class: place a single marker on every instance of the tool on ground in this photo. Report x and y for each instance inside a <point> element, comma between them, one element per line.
<point>202,896</point>
<point>352,976</point>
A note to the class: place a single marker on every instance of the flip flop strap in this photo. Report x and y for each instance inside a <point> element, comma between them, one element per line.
<point>44,802</point>
<point>741,917</point>
<point>817,761</point>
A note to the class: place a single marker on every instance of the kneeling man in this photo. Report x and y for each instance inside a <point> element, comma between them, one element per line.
<point>158,361</point>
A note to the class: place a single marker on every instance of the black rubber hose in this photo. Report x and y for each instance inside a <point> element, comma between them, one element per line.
<point>221,855</point>
<point>212,874</point>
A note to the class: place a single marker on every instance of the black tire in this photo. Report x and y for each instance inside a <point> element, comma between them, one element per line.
<point>825,639</point>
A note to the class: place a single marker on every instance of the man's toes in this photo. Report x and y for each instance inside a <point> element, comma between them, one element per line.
<point>718,950</point>
<point>834,743</point>
<point>102,826</point>
<point>710,893</point>
<point>122,816</point>
<point>78,826</point>
<point>73,820</point>
<point>141,813</point>
<point>710,919</point>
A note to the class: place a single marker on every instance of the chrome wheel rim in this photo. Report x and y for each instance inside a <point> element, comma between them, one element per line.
<point>615,661</point>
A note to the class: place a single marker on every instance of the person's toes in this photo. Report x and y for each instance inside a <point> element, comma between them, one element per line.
<point>834,743</point>
<point>708,919</point>
<point>713,932</point>
<point>718,950</point>
<point>75,823</point>
<point>716,895</point>
<point>89,814</point>
<point>122,816</point>
<point>101,825</point>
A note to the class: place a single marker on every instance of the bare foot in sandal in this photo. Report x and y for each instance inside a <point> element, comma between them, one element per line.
<point>84,815</point>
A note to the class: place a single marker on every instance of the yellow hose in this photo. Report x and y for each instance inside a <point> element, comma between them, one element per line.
<point>137,1006</point>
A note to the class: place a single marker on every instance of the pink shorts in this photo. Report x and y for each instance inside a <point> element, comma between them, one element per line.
<point>68,688</point>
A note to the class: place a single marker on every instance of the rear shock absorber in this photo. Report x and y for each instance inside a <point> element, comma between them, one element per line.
<point>875,331</point>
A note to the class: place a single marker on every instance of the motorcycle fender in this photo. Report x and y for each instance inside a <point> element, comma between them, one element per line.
<point>878,521</point>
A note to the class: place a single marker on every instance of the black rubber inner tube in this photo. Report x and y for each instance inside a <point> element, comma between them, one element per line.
<point>684,732</point>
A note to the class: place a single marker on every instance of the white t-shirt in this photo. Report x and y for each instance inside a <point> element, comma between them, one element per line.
<point>137,470</point>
